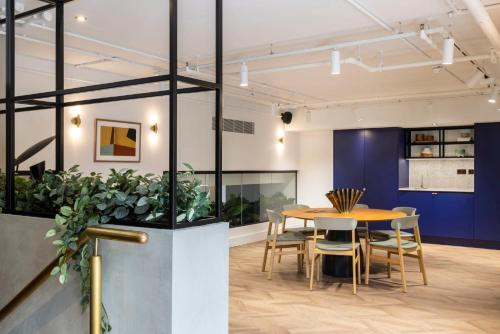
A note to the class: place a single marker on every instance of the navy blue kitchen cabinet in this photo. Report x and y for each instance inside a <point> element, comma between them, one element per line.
<point>371,159</point>
<point>487,182</point>
<point>423,202</point>
<point>454,215</point>
<point>442,214</point>
<point>349,159</point>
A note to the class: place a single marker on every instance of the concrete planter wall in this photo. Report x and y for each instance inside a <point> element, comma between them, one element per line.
<point>176,283</point>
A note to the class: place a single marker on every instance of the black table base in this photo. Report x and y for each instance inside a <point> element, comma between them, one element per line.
<point>341,266</point>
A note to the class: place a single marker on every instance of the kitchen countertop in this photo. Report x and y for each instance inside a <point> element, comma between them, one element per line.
<point>442,190</point>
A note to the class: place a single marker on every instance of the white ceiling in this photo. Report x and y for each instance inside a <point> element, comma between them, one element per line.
<point>137,33</point>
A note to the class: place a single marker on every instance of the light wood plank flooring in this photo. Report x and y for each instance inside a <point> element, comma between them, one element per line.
<point>463,296</point>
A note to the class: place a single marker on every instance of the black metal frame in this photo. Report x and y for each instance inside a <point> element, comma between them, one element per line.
<point>34,103</point>
<point>441,142</point>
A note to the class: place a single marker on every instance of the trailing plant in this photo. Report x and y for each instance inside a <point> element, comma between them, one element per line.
<point>83,201</point>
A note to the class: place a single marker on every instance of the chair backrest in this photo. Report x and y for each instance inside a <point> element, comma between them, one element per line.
<point>405,223</point>
<point>273,217</point>
<point>406,209</point>
<point>295,206</point>
<point>361,206</point>
<point>335,224</point>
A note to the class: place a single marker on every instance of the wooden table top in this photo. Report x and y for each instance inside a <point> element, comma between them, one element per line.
<point>364,215</point>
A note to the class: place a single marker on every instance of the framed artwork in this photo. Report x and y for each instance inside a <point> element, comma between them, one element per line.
<point>117,141</point>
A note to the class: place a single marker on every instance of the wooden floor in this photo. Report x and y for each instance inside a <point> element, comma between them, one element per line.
<point>463,296</point>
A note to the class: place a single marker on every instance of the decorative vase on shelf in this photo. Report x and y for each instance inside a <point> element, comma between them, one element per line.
<point>344,200</point>
<point>426,153</point>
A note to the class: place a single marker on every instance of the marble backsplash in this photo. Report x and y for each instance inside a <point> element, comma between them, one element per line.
<point>441,173</point>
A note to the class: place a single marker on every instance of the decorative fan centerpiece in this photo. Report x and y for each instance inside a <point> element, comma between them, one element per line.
<point>345,199</point>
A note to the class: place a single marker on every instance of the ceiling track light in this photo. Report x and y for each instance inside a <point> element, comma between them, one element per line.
<point>493,56</point>
<point>448,48</point>
<point>335,62</point>
<point>494,94</point>
<point>244,75</point>
<point>475,79</point>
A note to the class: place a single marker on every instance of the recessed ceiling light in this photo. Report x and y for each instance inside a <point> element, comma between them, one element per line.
<point>81,18</point>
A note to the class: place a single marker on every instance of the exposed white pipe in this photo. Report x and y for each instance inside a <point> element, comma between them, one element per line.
<point>386,99</point>
<point>340,45</point>
<point>357,62</point>
<point>483,19</point>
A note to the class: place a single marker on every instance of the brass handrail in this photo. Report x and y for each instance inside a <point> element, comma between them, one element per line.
<point>90,233</point>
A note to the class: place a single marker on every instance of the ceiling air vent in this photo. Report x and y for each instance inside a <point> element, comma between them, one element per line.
<point>237,126</point>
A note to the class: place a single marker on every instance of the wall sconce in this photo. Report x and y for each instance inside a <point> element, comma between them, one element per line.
<point>281,140</point>
<point>154,128</point>
<point>77,121</point>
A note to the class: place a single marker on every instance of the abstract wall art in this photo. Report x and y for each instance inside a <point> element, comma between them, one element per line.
<point>117,141</point>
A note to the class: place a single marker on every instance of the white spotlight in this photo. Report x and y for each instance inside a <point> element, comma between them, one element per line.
<point>494,94</point>
<point>244,75</point>
<point>475,79</point>
<point>448,48</point>
<point>493,56</point>
<point>335,62</point>
<point>275,110</point>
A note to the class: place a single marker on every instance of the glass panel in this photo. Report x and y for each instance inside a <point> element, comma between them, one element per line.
<point>284,190</point>
<point>232,209</point>
<point>255,188</point>
<point>35,53</point>
<point>2,122</point>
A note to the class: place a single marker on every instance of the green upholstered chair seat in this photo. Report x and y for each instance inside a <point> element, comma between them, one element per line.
<point>288,236</point>
<point>308,230</point>
<point>327,245</point>
<point>391,234</point>
<point>393,243</point>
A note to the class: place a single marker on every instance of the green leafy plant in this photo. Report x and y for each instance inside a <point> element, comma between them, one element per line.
<point>83,201</point>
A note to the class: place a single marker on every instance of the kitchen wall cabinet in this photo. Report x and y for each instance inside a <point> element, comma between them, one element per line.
<point>442,214</point>
<point>371,159</point>
<point>487,182</point>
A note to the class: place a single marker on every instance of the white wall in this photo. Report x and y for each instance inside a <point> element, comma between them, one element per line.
<point>315,177</point>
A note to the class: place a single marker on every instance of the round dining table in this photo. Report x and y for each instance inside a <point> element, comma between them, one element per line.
<point>341,266</point>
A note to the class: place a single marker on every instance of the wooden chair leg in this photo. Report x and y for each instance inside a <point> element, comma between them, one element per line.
<point>299,260</point>
<point>402,269</point>
<point>422,266</point>
<point>273,253</point>
<point>318,266</point>
<point>306,255</point>
<point>311,280</point>
<point>279,257</point>
<point>389,264</point>
<point>359,266</point>
<point>367,262</point>
<point>264,261</point>
<point>354,273</point>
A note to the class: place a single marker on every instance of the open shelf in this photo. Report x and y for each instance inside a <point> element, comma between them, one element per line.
<point>445,144</point>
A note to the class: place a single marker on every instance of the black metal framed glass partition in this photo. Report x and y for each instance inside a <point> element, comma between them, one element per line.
<point>51,101</point>
<point>246,195</point>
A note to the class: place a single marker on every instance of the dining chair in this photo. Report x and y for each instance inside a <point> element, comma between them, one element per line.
<point>362,229</point>
<point>276,242</point>
<point>385,234</point>
<point>323,247</point>
<point>398,246</point>
<point>304,229</point>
